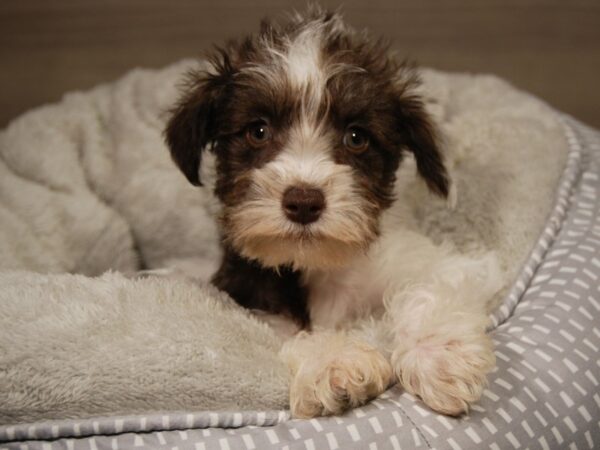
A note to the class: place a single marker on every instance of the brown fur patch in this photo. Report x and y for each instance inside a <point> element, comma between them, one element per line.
<point>256,287</point>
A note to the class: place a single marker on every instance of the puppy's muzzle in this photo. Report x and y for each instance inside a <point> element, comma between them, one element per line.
<point>303,205</point>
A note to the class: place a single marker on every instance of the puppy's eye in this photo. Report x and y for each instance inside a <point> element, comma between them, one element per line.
<point>258,134</point>
<point>356,140</point>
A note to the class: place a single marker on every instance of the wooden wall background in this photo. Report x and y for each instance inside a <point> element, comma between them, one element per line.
<point>548,47</point>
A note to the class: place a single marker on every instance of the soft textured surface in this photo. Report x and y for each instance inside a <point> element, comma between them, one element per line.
<point>73,345</point>
<point>543,395</point>
<point>87,186</point>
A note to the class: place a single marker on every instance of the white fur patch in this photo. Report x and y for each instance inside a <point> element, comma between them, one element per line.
<point>303,59</point>
<point>332,372</point>
<point>401,261</point>
<point>301,64</point>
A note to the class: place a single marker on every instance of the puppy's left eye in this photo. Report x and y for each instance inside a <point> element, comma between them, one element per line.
<point>356,140</point>
<point>258,134</point>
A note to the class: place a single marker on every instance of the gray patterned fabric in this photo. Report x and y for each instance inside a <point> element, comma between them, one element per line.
<point>544,393</point>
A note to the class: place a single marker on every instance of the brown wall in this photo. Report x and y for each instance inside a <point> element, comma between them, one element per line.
<point>548,47</point>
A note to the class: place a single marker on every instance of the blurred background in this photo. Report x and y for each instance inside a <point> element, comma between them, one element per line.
<point>548,47</point>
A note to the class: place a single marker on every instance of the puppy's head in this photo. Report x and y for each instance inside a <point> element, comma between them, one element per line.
<point>308,121</point>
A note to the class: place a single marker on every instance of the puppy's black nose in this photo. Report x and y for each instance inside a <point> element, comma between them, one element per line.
<point>303,205</point>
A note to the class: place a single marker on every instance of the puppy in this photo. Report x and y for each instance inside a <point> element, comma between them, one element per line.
<point>309,123</point>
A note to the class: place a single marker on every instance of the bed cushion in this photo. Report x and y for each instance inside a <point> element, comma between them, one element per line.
<point>543,393</point>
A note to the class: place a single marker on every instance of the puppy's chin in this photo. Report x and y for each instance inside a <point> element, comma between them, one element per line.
<point>300,252</point>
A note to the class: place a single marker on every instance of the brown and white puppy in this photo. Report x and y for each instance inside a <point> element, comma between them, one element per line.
<point>309,122</point>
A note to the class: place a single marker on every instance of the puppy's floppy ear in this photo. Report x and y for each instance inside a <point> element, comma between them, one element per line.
<point>192,125</point>
<point>421,139</point>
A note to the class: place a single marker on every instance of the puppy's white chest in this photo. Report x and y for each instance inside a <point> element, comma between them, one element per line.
<point>337,297</point>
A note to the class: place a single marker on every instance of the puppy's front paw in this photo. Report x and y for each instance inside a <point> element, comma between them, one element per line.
<point>447,374</point>
<point>332,382</point>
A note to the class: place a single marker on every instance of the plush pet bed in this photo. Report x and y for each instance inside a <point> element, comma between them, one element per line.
<point>103,359</point>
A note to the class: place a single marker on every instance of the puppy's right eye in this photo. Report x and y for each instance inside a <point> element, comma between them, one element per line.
<point>356,140</point>
<point>258,134</point>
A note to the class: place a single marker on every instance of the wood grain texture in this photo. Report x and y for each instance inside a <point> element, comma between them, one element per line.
<point>548,47</point>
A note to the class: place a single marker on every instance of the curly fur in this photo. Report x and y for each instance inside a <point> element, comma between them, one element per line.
<point>382,245</point>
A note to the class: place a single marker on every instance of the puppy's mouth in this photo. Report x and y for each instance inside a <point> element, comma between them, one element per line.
<point>309,233</point>
<point>306,251</point>
<point>292,233</point>
<point>300,229</point>
<point>300,246</point>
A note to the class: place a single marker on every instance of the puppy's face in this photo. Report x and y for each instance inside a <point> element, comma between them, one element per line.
<point>308,122</point>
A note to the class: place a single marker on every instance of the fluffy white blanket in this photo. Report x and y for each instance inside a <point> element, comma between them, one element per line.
<point>87,186</point>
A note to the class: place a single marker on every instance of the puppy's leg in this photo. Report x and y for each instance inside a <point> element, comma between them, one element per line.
<point>332,372</point>
<point>442,352</point>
